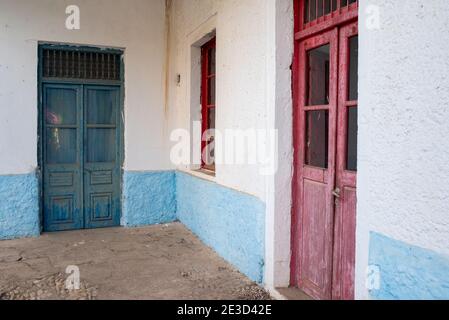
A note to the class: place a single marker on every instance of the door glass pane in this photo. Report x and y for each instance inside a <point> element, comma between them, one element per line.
<point>101,106</point>
<point>60,107</point>
<point>306,10</point>
<point>317,88</point>
<point>317,138</point>
<point>353,67</point>
<point>351,156</point>
<point>320,7</point>
<point>312,10</point>
<point>101,145</point>
<point>61,146</point>
<point>327,6</point>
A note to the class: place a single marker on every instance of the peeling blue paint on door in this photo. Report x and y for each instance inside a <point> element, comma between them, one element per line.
<point>408,272</point>
<point>19,206</point>
<point>81,156</point>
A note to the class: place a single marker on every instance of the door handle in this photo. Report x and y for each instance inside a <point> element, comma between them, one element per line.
<point>337,193</point>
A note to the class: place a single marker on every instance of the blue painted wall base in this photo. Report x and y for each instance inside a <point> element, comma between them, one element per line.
<point>408,272</point>
<point>148,198</point>
<point>231,222</point>
<point>19,206</point>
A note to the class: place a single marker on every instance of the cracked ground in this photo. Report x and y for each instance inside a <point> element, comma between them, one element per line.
<point>157,262</point>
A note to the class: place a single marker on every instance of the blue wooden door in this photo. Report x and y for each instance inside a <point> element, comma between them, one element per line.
<point>81,154</point>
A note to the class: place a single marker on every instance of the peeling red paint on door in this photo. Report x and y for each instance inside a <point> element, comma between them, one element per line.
<point>325,141</point>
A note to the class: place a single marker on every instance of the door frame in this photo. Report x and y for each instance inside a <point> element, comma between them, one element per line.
<point>41,80</point>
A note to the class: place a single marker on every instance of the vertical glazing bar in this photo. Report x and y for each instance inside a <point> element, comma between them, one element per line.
<point>102,66</point>
<point>79,64</point>
<point>66,71</point>
<point>114,72</point>
<point>109,66</point>
<point>61,67</point>
<point>91,60</point>
<point>72,71</point>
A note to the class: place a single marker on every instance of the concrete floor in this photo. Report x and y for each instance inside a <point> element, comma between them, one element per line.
<point>158,262</point>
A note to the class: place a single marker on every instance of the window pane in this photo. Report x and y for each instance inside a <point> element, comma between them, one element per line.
<point>61,106</point>
<point>211,91</point>
<point>318,76</point>
<point>351,156</point>
<point>317,135</point>
<point>211,118</point>
<point>101,145</point>
<point>211,60</point>
<point>101,106</point>
<point>353,67</point>
<point>61,146</point>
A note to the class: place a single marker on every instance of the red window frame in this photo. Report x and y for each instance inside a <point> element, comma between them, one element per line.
<point>207,76</point>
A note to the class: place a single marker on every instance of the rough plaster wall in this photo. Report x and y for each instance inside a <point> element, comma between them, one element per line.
<point>148,198</point>
<point>241,74</point>
<point>19,206</point>
<point>403,172</point>
<point>231,222</point>
<point>136,25</point>
<point>408,272</point>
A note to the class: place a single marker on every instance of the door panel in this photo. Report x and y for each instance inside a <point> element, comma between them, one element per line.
<point>102,157</point>
<point>62,157</point>
<point>346,174</point>
<point>315,245</point>
<point>316,116</point>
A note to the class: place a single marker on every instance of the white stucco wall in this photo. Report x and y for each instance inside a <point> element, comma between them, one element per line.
<point>138,26</point>
<point>403,172</point>
<point>241,73</point>
<point>279,117</point>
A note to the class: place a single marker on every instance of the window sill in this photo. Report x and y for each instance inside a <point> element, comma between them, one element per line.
<point>201,173</point>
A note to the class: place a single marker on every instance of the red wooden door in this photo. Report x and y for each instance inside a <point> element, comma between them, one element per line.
<point>316,119</point>
<point>324,188</point>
